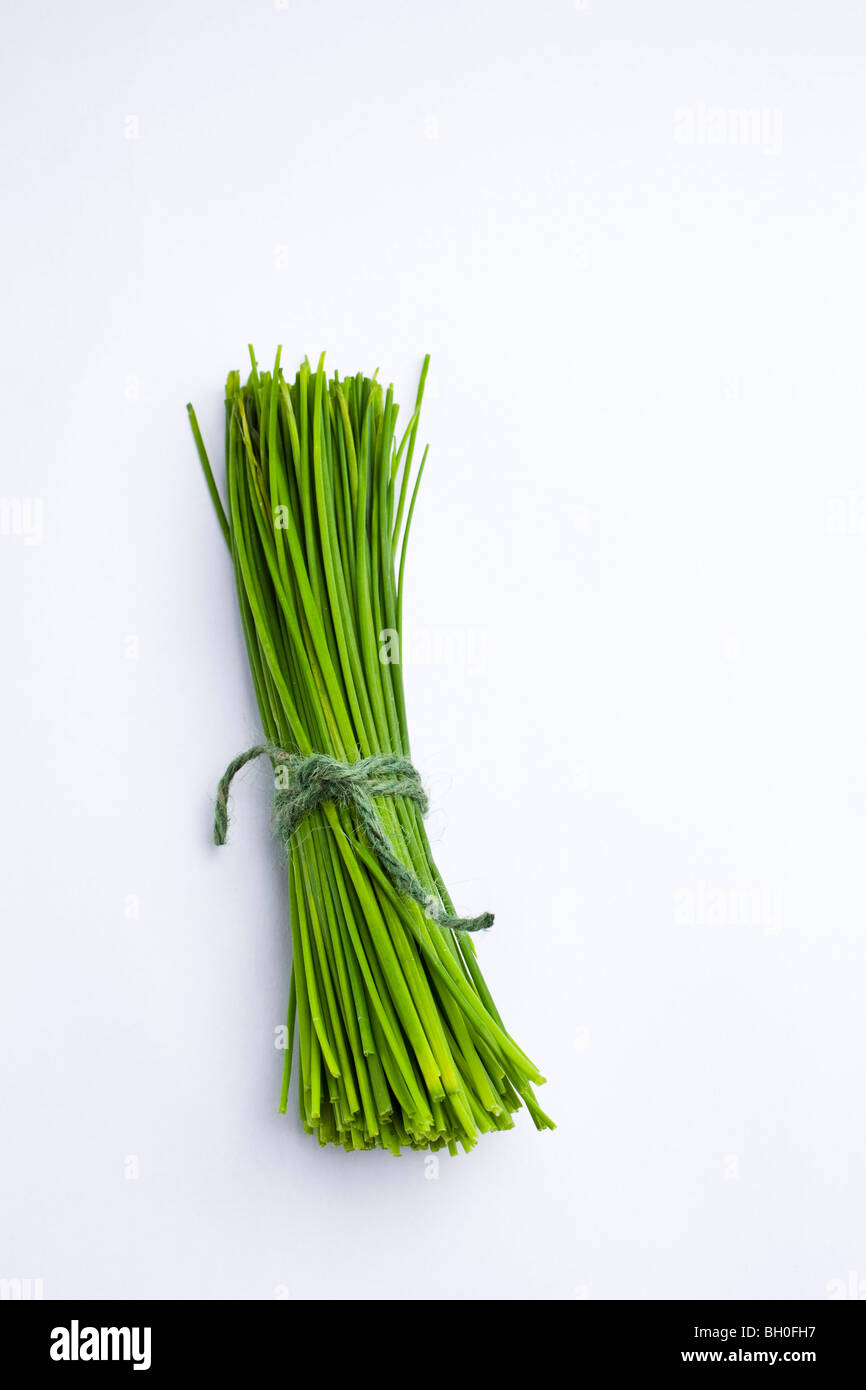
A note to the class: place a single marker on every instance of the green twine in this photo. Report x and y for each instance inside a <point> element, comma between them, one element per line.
<point>303,783</point>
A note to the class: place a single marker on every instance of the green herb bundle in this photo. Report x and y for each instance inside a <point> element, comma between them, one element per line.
<point>399,1041</point>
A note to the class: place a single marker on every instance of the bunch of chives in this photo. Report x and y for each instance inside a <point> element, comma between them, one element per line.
<point>399,1041</point>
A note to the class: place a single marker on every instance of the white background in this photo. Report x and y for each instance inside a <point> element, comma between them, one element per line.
<point>636,592</point>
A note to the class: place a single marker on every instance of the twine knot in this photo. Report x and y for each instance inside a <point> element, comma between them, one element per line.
<point>303,783</point>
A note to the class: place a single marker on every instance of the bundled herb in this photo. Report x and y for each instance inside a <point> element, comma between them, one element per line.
<point>399,1041</point>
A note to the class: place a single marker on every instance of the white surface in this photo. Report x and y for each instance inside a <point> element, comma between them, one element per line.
<point>648,397</point>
